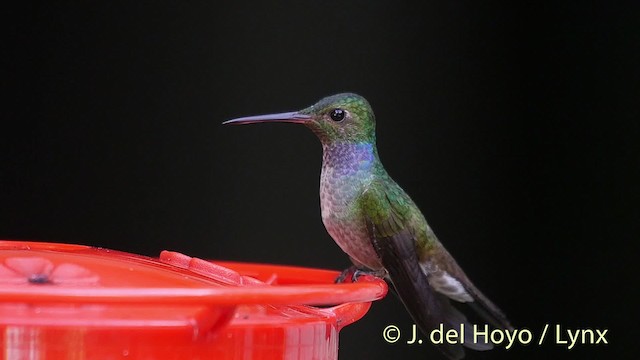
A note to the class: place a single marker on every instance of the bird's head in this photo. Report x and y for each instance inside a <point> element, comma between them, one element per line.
<point>340,118</point>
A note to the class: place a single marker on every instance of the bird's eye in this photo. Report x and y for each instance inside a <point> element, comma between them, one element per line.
<point>337,114</point>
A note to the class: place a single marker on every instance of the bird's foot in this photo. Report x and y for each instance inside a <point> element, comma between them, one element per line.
<point>352,273</point>
<point>347,273</point>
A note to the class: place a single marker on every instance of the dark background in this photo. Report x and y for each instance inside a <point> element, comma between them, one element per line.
<point>513,127</point>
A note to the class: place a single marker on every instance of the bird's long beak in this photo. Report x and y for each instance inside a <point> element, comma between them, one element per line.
<point>292,117</point>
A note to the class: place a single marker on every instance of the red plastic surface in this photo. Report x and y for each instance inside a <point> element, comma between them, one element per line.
<point>61,301</point>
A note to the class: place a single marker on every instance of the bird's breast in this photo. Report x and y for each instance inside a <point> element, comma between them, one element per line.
<point>341,215</point>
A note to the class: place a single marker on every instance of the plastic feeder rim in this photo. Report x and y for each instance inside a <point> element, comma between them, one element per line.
<point>63,301</point>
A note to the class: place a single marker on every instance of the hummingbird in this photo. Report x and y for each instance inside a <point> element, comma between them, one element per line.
<point>375,222</point>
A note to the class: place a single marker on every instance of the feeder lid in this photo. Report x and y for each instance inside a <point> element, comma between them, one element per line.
<point>64,274</point>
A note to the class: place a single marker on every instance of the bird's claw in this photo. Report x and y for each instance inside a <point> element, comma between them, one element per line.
<point>352,273</point>
<point>347,273</point>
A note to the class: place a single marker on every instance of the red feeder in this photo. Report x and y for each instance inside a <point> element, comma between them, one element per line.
<point>61,301</point>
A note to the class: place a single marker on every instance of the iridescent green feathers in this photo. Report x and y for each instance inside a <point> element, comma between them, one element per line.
<point>357,126</point>
<point>392,211</point>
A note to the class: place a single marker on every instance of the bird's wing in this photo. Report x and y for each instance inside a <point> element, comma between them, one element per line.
<point>396,245</point>
<point>449,279</point>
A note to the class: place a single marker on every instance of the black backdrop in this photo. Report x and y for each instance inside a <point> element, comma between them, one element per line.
<point>512,126</point>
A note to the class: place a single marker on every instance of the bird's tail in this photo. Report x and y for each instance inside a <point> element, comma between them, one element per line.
<point>428,308</point>
<point>486,309</point>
